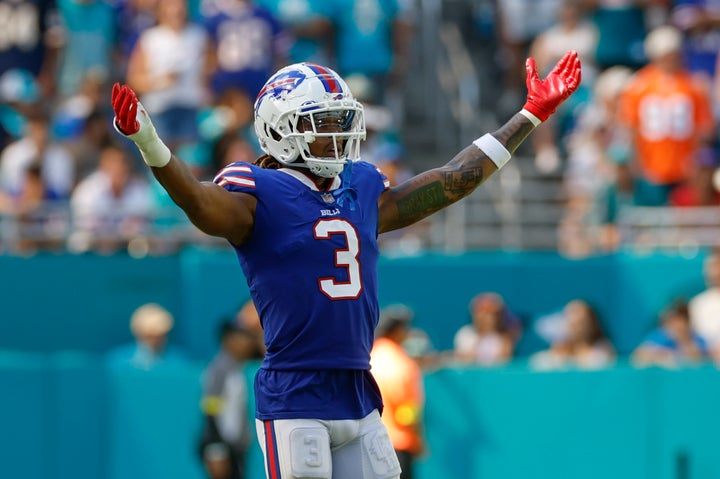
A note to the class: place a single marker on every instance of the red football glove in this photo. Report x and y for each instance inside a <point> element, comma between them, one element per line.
<point>132,120</point>
<point>544,96</point>
<point>124,103</point>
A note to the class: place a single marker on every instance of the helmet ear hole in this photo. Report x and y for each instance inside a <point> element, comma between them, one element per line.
<point>274,134</point>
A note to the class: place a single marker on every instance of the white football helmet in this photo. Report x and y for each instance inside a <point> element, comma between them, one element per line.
<point>293,106</point>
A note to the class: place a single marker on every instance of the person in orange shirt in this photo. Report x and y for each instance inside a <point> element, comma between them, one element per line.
<point>669,115</point>
<point>401,385</point>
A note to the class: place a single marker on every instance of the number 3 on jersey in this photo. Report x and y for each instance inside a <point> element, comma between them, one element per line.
<point>348,258</point>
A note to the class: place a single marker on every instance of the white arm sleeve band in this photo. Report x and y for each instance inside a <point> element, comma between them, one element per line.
<point>494,150</point>
<point>153,150</point>
<point>535,120</point>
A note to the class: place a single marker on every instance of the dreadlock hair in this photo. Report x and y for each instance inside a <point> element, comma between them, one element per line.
<point>268,162</point>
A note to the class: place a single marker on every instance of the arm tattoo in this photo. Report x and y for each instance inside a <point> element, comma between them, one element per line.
<point>514,132</point>
<point>421,202</point>
<point>463,180</point>
<point>436,189</point>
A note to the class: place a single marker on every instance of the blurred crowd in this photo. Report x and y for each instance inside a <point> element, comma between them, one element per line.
<point>641,131</point>
<point>68,182</point>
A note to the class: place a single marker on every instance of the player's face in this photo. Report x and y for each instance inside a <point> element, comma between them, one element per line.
<point>329,122</point>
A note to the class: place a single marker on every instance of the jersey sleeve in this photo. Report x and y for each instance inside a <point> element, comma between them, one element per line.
<point>385,180</point>
<point>238,177</point>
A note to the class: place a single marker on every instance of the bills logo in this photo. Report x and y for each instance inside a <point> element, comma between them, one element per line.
<point>282,82</point>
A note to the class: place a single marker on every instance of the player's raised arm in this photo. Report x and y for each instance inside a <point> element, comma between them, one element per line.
<point>210,207</point>
<point>438,188</point>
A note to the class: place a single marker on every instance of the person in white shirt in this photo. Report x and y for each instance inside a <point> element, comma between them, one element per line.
<point>57,168</point>
<point>489,339</point>
<point>111,206</point>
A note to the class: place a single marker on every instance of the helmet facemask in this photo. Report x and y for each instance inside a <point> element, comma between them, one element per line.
<point>344,126</point>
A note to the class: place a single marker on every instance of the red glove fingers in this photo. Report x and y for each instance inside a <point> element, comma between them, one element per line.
<point>124,103</point>
<point>544,96</point>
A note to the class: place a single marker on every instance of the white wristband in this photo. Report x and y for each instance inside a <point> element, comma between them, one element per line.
<point>154,152</point>
<point>535,120</point>
<point>494,150</point>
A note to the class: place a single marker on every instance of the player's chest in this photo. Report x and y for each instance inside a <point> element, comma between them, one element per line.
<point>316,222</point>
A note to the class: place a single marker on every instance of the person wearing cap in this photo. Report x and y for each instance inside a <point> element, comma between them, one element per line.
<point>669,115</point>
<point>401,384</point>
<point>150,325</point>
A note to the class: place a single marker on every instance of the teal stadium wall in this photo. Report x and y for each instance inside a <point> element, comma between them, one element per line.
<point>64,415</point>
<point>56,303</point>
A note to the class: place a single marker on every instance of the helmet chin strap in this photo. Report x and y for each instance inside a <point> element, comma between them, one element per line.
<point>324,170</point>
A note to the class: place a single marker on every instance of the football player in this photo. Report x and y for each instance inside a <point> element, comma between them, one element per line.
<point>304,221</point>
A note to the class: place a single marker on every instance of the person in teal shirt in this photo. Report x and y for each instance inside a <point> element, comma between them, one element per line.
<point>90,37</point>
<point>310,24</point>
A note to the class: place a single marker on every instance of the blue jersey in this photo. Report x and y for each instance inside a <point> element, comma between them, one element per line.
<point>248,41</point>
<point>24,27</point>
<point>311,264</point>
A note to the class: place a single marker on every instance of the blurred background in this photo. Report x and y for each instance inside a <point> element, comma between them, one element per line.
<point>565,317</point>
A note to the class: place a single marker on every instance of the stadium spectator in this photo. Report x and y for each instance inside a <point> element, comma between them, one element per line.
<point>31,41</point>
<point>150,325</point>
<point>227,128</point>
<point>383,27</point>
<point>169,68</point>
<point>699,21</point>
<point>518,23</point>
<point>572,28</point>
<point>674,343</point>
<point>89,43</point>
<point>597,179</point>
<point>231,148</point>
<point>226,427</point>
<point>580,342</point>
<point>669,114</point>
<point>248,42</point>
<point>133,18</point>
<point>489,340</point>
<point>70,113</point>
<point>699,187</point>
<point>622,27</point>
<point>401,385</point>
<point>94,135</point>
<point>112,206</point>
<point>248,319</point>
<point>704,308</point>
<point>56,165</point>
<point>39,224</point>
<point>309,22</point>
<point>417,343</point>
<point>19,96</point>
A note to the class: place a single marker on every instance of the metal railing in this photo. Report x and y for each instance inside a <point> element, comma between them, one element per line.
<point>52,226</point>
<point>684,229</point>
